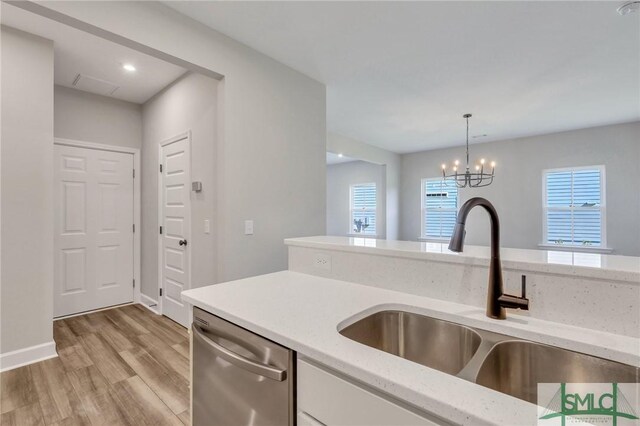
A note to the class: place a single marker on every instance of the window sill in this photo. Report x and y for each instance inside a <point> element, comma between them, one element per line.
<point>433,240</point>
<point>582,249</point>
<point>362,236</point>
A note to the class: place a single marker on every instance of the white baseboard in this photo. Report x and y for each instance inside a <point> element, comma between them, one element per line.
<point>26,356</point>
<point>149,303</point>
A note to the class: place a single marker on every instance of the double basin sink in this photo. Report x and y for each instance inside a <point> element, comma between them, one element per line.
<point>503,363</point>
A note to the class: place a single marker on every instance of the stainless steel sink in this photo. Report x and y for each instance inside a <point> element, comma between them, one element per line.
<point>504,363</point>
<point>516,368</point>
<point>438,344</point>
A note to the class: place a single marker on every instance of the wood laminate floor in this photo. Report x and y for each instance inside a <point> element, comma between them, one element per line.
<point>122,366</point>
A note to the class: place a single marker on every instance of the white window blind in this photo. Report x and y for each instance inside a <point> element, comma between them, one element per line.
<point>574,206</point>
<point>363,208</point>
<point>439,208</point>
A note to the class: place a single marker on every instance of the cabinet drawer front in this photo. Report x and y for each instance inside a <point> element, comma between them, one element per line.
<point>332,400</point>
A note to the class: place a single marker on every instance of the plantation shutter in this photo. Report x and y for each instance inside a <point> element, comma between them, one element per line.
<point>440,208</point>
<point>363,208</point>
<point>574,207</point>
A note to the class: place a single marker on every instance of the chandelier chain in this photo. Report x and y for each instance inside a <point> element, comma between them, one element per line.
<point>468,141</point>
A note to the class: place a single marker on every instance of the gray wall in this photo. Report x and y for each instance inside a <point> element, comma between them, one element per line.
<point>93,118</point>
<point>340,177</point>
<point>517,189</point>
<point>26,296</point>
<point>189,104</point>
<point>352,148</point>
<point>272,130</point>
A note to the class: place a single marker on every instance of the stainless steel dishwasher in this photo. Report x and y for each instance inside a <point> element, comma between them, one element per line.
<point>239,378</point>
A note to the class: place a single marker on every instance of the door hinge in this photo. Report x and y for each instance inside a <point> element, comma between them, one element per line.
<point>134,228</point>
<point>160,292</point>
<point>161,230</point>
<point>134,173</point>
<point>160,168</point>
<point>134,283</point>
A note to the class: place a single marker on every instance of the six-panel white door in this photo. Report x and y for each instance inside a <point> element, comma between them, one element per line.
<point>93,240</point>
<point>176,226</point>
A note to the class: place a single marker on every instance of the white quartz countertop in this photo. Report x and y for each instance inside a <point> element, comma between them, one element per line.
<point>304,312</point>
<point>588,265</point>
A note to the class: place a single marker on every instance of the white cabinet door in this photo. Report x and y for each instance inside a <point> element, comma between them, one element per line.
<point>93,238</point>
<point>331,400</point>
<point>176,228</point>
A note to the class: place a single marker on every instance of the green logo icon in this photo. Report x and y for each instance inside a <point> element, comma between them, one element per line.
<point>608,404</point>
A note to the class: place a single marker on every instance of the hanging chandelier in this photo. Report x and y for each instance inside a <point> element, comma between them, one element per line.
<point>476,179</point>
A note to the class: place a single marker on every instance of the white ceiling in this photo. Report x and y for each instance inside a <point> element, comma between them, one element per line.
<point>400,75</point>
<point>333,158</point>
<point>77,52</point>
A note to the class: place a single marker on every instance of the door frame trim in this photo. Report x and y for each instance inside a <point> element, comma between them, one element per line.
<point>136,198</point>
<point>184,135</point>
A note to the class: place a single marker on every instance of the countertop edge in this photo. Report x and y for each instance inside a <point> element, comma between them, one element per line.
<point>604,273</point>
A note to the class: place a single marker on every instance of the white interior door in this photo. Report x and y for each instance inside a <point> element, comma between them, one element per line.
<point>93,239</point>
<point>175,220</point>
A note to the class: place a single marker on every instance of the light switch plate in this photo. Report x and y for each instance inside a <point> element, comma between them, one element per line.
<point>207,226</point>
<point>248,227</point>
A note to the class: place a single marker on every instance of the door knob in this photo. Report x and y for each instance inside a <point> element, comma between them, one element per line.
<point>182,242</point>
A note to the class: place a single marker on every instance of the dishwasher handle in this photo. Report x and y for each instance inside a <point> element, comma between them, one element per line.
<point>265,370</point>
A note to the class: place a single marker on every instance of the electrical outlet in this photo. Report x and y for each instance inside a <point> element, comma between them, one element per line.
<point>322,261</point>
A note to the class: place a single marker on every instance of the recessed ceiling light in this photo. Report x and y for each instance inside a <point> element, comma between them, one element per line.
<point>129,67</point>
<point>340,155</point>
<point>629,7</point>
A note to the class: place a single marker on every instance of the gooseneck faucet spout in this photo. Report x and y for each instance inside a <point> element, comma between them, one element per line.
<point>497,301</point>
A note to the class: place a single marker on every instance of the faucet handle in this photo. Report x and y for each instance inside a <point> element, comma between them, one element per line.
<point>515,302</point>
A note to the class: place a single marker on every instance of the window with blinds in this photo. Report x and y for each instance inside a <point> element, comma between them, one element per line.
<point>439,208</point>
<point>363,209</point>
<point>574,206</point>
